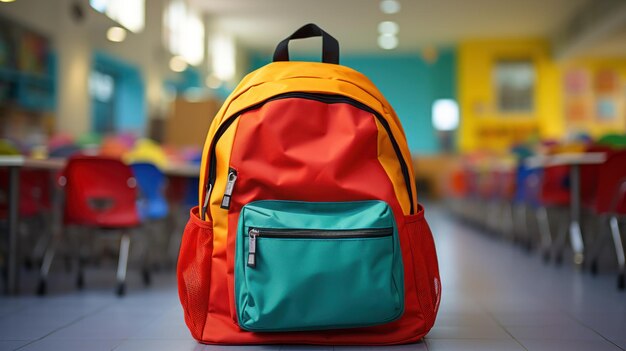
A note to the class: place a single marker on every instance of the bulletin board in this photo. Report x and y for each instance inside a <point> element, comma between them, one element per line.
<point>594,99</point>
<point>189,121</point>
<point>22,50</point>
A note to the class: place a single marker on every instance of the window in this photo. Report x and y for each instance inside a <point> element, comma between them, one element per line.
<point>183,32</point>
<point>101,86</point>
<point>129,13</point>
<point>515,86</point>
<point>223,59</point>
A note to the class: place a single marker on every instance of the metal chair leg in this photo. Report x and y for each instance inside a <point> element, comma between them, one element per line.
<point>506,220</point>
<point>48,257</point>
<point>597,244</point>
<point>148,245</point>
<point>544,232</point>
<point>81,258</point>
<point>619,251</point>
<point>80,277</point>
<point>122,263</point>
<point>39,250</point>
<point>561,241</point>
<point>519,229</point>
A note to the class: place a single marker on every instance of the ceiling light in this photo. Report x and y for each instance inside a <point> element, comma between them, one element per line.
<point>223,57</point>
<point>390,6</point>
<point>7,0</point>
<point>388,27</point>
<point>213,82</point>
<point>387,41</point>
<point>116,34</point>
<point>178,64</point>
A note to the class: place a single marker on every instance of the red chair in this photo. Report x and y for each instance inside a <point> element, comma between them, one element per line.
<point>100,193</point>
<point>34,193</point>
<point>589,176</point>
<point>610,202</point>
<point>555,186</point>
<point>35,202</point>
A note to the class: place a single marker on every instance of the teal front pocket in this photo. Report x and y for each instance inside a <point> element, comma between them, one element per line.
<point>317,265</point>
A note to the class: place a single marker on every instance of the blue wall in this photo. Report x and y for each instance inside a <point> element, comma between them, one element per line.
<point>187,79</point>
<point>130,96</point>
<point>409,83</point>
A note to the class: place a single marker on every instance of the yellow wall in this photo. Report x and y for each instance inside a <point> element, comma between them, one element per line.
<point>484,127</point>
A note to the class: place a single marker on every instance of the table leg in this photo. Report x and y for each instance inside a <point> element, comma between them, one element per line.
<point>575,232</point>
<point>13,237</point>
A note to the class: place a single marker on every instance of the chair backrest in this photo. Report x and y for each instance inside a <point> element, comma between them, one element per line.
<point>150,180</point>
<point>34,193</point>
<point>589,175</point>
<point>191,192</point>
<point>555,185</point>
<point>611,176</point>
<point>527,185</point>
<point>100,192</point>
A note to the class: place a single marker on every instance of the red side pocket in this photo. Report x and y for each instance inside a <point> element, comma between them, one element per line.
<point>426,266</point>
<point>194,272</point>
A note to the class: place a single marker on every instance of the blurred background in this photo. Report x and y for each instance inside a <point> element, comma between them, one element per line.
<point>514,111</point>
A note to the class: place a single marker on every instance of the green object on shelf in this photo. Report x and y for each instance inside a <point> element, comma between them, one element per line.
<point>617,141</point>
<point>89,140</point>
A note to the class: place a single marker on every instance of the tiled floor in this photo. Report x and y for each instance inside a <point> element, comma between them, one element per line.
<point>495,298</point>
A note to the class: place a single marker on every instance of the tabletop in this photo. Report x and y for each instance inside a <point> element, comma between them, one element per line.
<point>179,170</point>
<point>566,159</point>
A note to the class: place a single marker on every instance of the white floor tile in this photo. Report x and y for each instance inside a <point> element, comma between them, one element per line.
<point>160,345</point>
<point>473,345</point>
<point>10,345</point>
<point>569,345</point>
<point>72,345</point>
<point>554,332</point>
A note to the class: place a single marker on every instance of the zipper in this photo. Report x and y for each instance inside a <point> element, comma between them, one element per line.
<point>230,185</point>
<point>255,233</point>
<point>324,98</point>
<point>205,205</point>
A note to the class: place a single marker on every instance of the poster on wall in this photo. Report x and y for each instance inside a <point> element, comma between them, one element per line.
<point>609,102</point>
<point>606,109</point>
<point>594,97</point>
<point>577,109</point>
<point>576,82</point>
<point>578,96</point>
<point>33,53</point>
<point>22,49</point>
<point>606,82</point>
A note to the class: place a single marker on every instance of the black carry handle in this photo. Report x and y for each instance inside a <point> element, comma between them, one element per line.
<point>330,45</point>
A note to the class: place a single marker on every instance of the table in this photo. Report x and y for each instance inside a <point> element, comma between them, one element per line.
<point>574,161</point>
<point>13,164</point>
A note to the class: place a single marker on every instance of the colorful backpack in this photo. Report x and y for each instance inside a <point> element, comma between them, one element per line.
<point>308,229</point>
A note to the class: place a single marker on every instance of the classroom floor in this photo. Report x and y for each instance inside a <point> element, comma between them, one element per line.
<point>495,297</point>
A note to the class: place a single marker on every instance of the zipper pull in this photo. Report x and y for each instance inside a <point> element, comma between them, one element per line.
<point>253,233</point>
<point>230,185</point>
<point>205,206</point>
